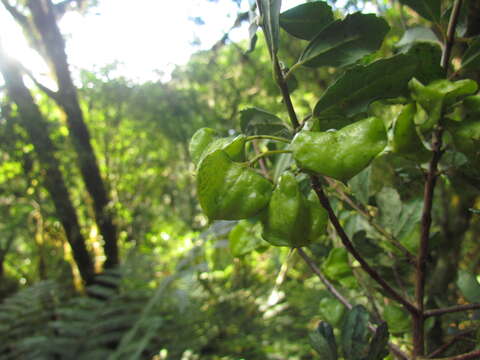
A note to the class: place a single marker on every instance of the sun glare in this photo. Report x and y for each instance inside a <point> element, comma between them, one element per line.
<point>146,38</point>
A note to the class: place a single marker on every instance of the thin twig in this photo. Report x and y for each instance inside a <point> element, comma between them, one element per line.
<point>261,162</point>
<point>331,288</point>
<point>324,280</point>
<point>268,153</point>
<point>317,187</point>
<point>452,341</point>
<point>451,309</point>
<point>418,320</point>
<point>282,84</point>
<point>389,237</point>
<point>450,40</point>
<point>468,356</point>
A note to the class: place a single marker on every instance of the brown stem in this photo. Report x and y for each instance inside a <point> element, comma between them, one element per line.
<point>317,187</point>
<point>399,353</point>
<point>323,279</point>
<point>452,341</point>
<point>450,40</point>
<point>419,318</point>
<point>389,237</point>
<point>282,84</point>
<point>418,322</point>
<point>468,356</point>
<point>451,309</point>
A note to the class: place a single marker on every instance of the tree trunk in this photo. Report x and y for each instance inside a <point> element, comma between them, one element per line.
<point>43,14</point>
<point>36,127</point>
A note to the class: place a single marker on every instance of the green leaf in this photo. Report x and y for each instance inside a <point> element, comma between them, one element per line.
<point>397,319</point>
<point>343,42</point>
<point>230,191</point>
<point>428,9</point>
<point>378,345</point>
<point>244,238</point>
<point>360,185</point>
<point>332,310</point>
<point>323,342</point>
<point>206,140</point>
<point>415,35</point>
<point>354,333</point>
<point>253,27</point>
<point>471,58</point>
<point>390,207</point>
<point>270,14</point>
<point>337,268</point>
<point>306,20</point>
<point>358,87</point>
<point>255,121</point>
<point>427,57</point>
<point>408,219</point>
<point>469,286</point>
<point>434,97</point>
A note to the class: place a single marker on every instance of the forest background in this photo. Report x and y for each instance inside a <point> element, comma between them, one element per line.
<point>105,252</point>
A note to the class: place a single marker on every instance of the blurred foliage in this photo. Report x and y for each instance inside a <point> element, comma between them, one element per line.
<point>185,289</point>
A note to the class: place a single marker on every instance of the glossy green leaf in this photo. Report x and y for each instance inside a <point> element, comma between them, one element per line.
<point>306,20</point>
<point>354,333</point>
<point>469,286</point>
<point>340,154</point>
<point>255,121</point>
<point>405,139</point>
<point>415,35</point>
<point>270,14</point>
<point>323,342</point>
<point>428,9</point>
<point>206,140</point>
<point>358,87</point>
<point>427,57</point>
<point>230,191</point>
<point>343,42</point>
<point>244,238</point>
<point>291,219</point>
<point>200,141</point>
<point>378,348</point>
<point>433,98</point>
<point>471,58</point>
<point>397,318</point>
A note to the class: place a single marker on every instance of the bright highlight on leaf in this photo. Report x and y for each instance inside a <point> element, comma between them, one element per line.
<point>343,42</point>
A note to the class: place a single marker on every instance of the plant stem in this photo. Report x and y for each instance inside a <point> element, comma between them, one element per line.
<point>450,40</point>
<point>386,235</point>
<point>317,187</point>
<point>451,309</point>
<point>282,84</point>
<point>399,353</point>
<point>452,341</point>
<point>267,153</point>
<point>324,280</point>
<point>419,318</point>
<point>468,356</point>
<point>420,278</point>
<point>267,137</point>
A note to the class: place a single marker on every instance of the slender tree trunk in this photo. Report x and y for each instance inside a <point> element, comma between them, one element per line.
<point>43,14</point>
<point>36,127</point>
